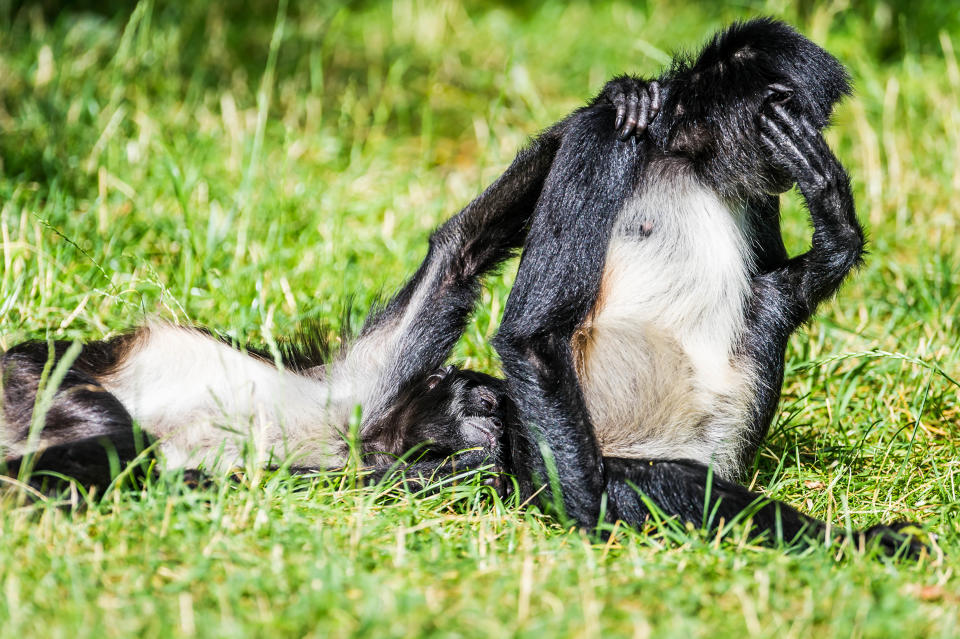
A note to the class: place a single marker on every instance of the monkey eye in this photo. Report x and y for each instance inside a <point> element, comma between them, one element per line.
<point>487,399</point>
<point>777,93</point>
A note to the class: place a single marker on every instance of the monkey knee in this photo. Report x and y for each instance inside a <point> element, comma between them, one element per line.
<point>544,353</point>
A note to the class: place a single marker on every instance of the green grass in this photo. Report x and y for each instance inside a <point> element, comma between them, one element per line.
<point>248,169</point>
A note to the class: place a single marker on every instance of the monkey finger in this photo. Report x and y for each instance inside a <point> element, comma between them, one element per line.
<point>630,123</point>
<point>799,128</point>
<point>779,160</point>
<point>802,167</point>
<point>774,148</point>
<point>802,130</point>
<point>808,127</point>
<point>653,90</point>
<point>811,148</point>
<point>783,149</point>
<point>643,117</point>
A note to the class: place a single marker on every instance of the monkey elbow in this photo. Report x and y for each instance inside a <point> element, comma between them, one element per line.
<point>848,250</point>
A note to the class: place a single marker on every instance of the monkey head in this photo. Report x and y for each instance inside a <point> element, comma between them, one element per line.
<point>710,103</point>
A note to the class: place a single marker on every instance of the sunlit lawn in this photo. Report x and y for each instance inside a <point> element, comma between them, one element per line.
<point>248,168</point>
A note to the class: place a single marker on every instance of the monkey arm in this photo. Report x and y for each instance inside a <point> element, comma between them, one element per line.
<point>556,286</point>
<point>786,291</point>
<point>837,245</point>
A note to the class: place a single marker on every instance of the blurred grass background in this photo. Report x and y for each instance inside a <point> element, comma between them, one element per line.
<point>249,166</point>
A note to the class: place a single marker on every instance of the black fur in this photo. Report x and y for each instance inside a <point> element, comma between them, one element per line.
<point>744,116</point>
<point>438,412</point>
<point>81,409</point>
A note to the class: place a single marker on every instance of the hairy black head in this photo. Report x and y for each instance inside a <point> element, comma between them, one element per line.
<point>449,411</point>
<point>711,101</point>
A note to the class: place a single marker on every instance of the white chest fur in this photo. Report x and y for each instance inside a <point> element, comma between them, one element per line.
<point>655,358</point>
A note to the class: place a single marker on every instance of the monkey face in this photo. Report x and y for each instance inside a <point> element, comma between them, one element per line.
<point>454,410</point>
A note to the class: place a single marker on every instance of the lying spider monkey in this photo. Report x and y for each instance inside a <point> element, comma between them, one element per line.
<point>643,341</point>
<point>205,403</point>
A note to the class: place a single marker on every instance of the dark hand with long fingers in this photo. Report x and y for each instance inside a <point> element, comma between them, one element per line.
<point>637,103</point>
<point>798,151</point>
<point>798,148</point>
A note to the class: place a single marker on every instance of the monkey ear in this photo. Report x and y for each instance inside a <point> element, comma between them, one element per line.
<point>777,93</point>
<point>438,376</point>
<point>434,379</point>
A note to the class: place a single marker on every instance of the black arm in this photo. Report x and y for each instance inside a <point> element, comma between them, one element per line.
<point>786,291</point>
<point>556,286</point>
<point>837,245</point>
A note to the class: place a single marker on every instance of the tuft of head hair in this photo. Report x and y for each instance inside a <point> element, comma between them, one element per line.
<point>749,55</point>
<point>711,102</point>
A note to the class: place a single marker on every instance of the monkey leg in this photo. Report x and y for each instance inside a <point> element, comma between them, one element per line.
<point>687,491</point>
<point>413,334</point>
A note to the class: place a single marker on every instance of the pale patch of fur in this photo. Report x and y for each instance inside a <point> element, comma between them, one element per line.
<point>360,377</point>
<point>207,402</point>
<point>656,358</point>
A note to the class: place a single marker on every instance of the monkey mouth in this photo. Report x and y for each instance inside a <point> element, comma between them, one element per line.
<point>490,428</point>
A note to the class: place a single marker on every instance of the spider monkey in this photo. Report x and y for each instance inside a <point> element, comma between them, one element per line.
<point>643,341</point>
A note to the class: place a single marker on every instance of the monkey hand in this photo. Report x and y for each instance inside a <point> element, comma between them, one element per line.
<point>797,148</point>
<point>637,103</point>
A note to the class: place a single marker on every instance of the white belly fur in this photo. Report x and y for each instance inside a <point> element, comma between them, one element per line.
<point>208,403</point>
<point>655,359</point>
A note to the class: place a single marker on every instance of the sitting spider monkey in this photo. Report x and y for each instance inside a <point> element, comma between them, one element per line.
<point>643,341</point>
